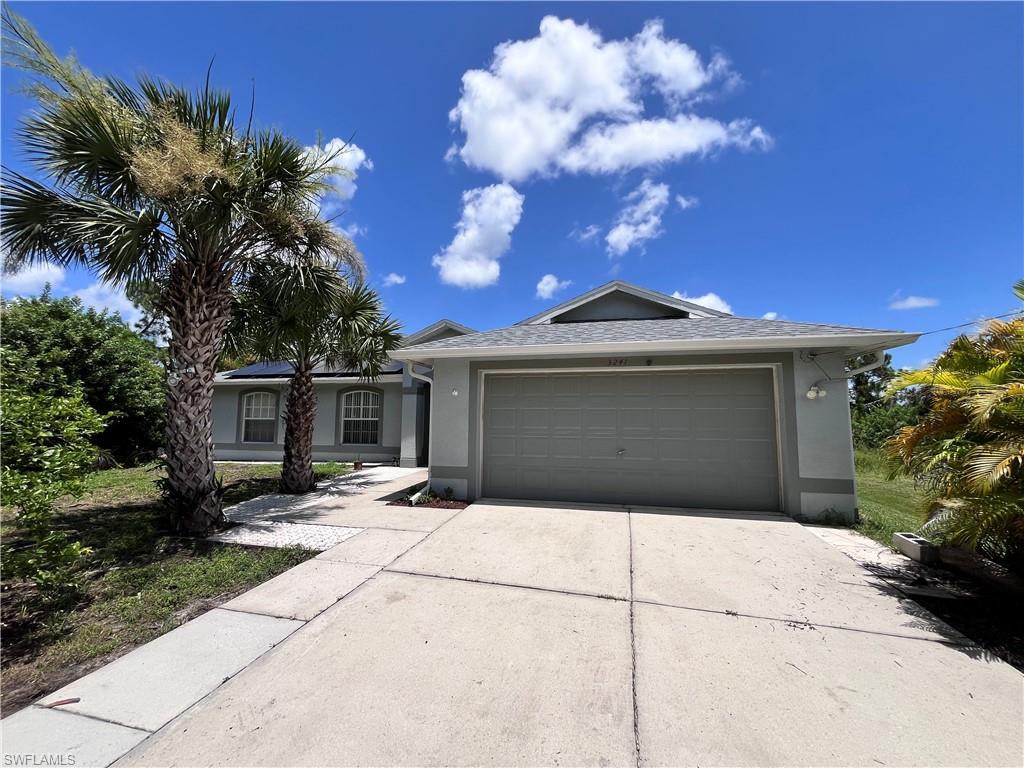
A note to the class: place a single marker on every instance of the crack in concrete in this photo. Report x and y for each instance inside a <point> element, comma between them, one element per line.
<point>811,624</point>
<point>721,612</point>
<point>470,580</point>
<point>97,718</point>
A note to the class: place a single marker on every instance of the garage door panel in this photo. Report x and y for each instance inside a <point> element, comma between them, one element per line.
<point>600,447</point>
<point>637,419</point>
<point>499,417</point>
<point>534,447</point>
<point>681,439</point>
<point>568,448</point>
<point>534,386</point>
<point>566,386</point>
<point>672,450</point>
<point>675,419</point>
<point>502,448</point>
<point>533,417</point>
<point>566,418</point>
<point>600,418</point>
<point>639,450</point>
<point>598,384</point>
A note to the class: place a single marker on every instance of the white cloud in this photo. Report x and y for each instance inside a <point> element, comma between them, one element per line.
<point>392,278</point>
<point>549,285</point>
<point>568,100</point>
<point>351,230</point>
<point>639,221</point>
<point>31,280</point>
<point>103,296</point>
<point>350,159</point>
<point>709,300</point>
<point>483,235</point>
<point>585,234</point>
<point>770,316</point>
<point>615,147</point>
<point>675,67</point>
<point>913,302</point>
<point>98,295</point>
<point>685,202</point>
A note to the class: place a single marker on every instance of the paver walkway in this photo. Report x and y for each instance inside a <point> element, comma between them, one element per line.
<point>285,520</point>
<point>542,635</point>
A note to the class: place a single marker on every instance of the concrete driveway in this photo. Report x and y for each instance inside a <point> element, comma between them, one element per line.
<point>532,635</point>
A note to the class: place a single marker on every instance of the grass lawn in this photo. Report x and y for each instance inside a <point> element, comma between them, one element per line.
<point>141,581</point>
<point>886,506</point>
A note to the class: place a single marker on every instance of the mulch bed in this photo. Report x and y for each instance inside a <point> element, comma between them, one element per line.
<point>433,504</point>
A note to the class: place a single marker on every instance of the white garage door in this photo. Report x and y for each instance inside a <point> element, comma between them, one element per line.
<point>701,439</point>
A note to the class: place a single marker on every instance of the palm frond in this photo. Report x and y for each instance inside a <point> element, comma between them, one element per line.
<point>42,225</point>
<point>994,463</point>
<point>991,524</point>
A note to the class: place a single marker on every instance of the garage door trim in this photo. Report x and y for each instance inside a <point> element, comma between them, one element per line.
<point>482,391</point>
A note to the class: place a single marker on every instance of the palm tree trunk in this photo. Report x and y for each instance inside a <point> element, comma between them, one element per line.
<point>300,413</point>
<point>198,307</point>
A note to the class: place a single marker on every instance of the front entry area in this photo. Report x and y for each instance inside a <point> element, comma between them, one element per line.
<point>703,439</point>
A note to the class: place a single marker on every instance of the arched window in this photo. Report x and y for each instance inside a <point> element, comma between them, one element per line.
<point>259,417</point>
<point>360,417</point>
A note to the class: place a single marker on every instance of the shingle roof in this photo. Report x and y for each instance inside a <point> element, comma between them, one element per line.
<point>640,331</point>
<point>285,370</point>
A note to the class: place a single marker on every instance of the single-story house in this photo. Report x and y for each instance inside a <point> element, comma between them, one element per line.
<point>621,395</point>
<point>385,420</point>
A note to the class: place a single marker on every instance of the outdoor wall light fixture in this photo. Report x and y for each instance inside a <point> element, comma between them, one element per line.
<point>455,392</point>
<point>817,391</point>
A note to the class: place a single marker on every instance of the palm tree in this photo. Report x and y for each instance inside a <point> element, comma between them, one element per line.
<point>307,317</point>
<point>153,183</point>
<point>967,451</point>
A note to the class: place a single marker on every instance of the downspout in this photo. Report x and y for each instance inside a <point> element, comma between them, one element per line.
<point>410,366</point>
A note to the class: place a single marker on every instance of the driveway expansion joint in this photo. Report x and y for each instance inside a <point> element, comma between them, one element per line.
<point>632,646</point>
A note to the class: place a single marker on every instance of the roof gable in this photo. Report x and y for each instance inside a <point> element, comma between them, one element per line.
<point>618,300</point>
<point>442,329</point>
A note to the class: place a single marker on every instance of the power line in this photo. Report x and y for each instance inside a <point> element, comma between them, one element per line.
<point>973,322</point>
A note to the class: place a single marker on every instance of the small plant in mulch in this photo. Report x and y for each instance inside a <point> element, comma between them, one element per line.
<point>430,499</point>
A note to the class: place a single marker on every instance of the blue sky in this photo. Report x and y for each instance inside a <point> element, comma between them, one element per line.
<point>823,162</point>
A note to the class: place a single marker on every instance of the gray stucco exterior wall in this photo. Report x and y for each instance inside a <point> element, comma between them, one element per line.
<point>327,445</point>
<point>814,435</point>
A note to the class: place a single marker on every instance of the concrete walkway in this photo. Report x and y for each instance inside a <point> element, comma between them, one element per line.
<point>124,702</point>
<point>539,635</point>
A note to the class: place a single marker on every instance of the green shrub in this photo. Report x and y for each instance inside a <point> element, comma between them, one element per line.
<point>873,426</point>
<point>66,348</point>
<point>47,451</point>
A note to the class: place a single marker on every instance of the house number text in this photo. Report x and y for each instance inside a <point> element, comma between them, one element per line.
<point>618,361</point>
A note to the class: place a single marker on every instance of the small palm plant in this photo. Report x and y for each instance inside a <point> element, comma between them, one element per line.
<point>967,451</point>
<point>154,184</point>
<point>307,317</point>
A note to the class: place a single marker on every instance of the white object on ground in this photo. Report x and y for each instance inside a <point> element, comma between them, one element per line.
<point>281,535</point>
